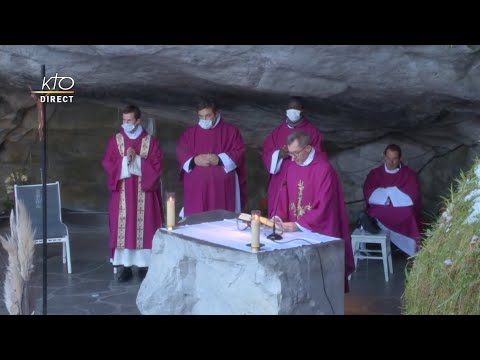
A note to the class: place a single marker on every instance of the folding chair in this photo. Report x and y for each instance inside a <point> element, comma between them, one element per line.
<point>360,236</point>
<point>57,231</point>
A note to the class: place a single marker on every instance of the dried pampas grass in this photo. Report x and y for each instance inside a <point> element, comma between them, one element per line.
<point>20,248</point>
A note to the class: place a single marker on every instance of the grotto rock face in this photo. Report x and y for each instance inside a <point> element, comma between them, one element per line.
<point>425,98</point>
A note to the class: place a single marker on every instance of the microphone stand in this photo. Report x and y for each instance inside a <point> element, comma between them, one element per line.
<point>274,235</point>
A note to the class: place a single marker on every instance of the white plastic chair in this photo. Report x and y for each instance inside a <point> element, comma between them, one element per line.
<point>57,231</point>
<point>360,236</point>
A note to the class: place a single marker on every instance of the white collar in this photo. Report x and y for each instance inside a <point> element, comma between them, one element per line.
<point>216,121</point>
<point>293,127</point>
<point>135,134</point>
<point>394,171</point>
<point>309,159</point>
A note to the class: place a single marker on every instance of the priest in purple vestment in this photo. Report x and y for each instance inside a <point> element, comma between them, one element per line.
<point>211,155</point>
<point>275,152</point>
<point>312,199</point>
<point>393,197</point>
<point>134,164</point>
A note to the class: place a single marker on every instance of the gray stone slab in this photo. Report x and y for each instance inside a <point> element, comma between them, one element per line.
<point>188,276</point>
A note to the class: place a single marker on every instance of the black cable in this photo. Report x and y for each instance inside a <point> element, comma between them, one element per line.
<point>321,266</point>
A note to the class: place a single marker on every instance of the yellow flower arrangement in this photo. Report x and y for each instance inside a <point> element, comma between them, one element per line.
<point>15,177</point>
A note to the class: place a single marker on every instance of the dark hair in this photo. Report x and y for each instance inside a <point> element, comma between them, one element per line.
<point>393,147</point>
<point>296,99</point>
<point>303,138</point>
<point>204,103</point>
<point>132,109</point>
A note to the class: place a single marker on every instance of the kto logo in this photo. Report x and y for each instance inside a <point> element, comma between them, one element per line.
<point>60,85</point>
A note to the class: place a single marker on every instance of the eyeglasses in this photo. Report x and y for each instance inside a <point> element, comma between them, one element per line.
<point>296,153</point>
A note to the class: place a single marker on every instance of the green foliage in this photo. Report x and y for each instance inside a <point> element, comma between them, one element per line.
<point>445,275</point>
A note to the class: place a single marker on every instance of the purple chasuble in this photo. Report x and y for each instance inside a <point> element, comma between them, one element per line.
<point>211,188</point>
<point>313,197</point>
<point>275,141</point>
<point>404,220</point>
<point>136,210</point>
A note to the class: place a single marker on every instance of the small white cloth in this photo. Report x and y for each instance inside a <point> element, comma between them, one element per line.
<point>133,168</point>
<point>225,233</point>
<point>397,197</point>
<point>125,173</point>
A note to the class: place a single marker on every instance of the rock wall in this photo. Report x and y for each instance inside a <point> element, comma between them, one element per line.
<point>424,98</point>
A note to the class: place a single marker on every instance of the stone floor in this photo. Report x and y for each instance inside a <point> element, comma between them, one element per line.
<point>370,294</point>
<point>92,288</point>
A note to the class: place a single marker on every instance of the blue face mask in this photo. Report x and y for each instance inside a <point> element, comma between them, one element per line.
<point>293,115</point>
<point>128,127</point>
<point>205,124</point>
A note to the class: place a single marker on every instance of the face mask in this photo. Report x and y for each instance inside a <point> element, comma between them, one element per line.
<point>205,124</point>
<point>293,115</point>
<point>128,127</point>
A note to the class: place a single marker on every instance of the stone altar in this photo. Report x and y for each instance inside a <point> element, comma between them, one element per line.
<point>191,275</point>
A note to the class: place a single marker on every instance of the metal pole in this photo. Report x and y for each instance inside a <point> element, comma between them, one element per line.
<point>44,202</point>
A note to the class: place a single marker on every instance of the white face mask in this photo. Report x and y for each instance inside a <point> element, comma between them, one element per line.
<point>128,127</point>
<point>293,115</point>
<point>205,124</point>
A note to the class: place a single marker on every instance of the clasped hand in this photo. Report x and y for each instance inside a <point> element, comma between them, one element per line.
<point>131,154</point>
<point>284,152</point>
<point>206,160</point>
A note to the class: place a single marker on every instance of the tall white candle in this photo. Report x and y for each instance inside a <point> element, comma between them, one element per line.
<point>170,212</point>
<point>255,225</point>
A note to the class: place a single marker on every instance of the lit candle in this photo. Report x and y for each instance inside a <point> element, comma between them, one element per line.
<point>170,211</point>
<point>255,225</point>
